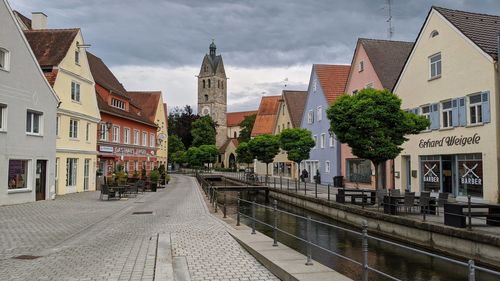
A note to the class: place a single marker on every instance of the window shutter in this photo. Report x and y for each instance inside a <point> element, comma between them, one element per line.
<point>486,107</point>
<point>454,113</point>
<point>462,112</point>
<point>434,114</point>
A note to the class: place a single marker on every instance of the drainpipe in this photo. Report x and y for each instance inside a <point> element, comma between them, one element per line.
<point>496,111</point>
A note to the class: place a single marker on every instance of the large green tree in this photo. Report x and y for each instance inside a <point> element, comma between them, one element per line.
<point>208,153</point>
<point>246,128</point>
<point>243,154</point>
<point>203,131</point>
<point>179,123</point>
<point>297,142</point>
<point>176,149</point>
<point>373,124</point>
<point>264,148</point>
<point>194,157</point>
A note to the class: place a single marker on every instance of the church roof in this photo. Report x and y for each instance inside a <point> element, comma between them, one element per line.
<point>214,61</point>
<point>223,148</point>
<point>296,102</point>
<point>266,116</point>
<point>235,118</point>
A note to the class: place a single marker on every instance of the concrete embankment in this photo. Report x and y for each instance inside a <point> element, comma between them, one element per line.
<point>460,243</point>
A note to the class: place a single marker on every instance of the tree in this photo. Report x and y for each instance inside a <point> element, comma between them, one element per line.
<point>203,131</point>
<point>373,124</point>
<point>246,128</point>
<point>208,153</point>
<point>243,154</point>
<point>194,157</point>
<point>179,123</point>
<point>175,149</point>
<point>265,147</point>
<point>297,143</point>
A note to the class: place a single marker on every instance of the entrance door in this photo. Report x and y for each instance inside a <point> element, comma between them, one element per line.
<point>40,176</point>
<point>407,161</point>
<point>86,173</point>
<point>447,174</point>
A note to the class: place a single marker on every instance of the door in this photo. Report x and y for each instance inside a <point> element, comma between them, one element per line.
<point>86,173</point>
<point>40,179</point>
<point>407,161</point>
<point>447,174</point>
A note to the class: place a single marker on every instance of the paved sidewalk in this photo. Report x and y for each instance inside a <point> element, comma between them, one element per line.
<point>79,237</point>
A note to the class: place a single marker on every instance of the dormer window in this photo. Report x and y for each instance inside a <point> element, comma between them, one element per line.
<point>361,66</point>
<point>118,104</point>
<point>77,57</point>
<point>4,59</point>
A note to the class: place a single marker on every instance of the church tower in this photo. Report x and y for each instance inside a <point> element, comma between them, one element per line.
<point>212,92</point>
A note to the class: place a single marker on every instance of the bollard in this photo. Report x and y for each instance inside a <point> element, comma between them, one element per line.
<point>423,213</point>
<point>469,213</point>
<point>274,181</point>
<point>308,238</point>
<point>472,271</point>
<point>296,186</point>
<point>287,184</point>
<point>281,181</point>
<point>253,216</point>
<point>215,202</point>
<point>328,192</point>
<point>275,227</point>
<point>365,250</point>
<point>362,199</point>
<point>224,206</point>
<point>238,210</point>
<point>315,189</point>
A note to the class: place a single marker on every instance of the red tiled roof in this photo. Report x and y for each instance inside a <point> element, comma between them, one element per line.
<point>26,21</point>
<point>333,79</point>
<point>50,46</point>
<point>223,148</point>
<point>266,116</point>
<point>104,77</point>
<point>148,101</point>
<point>51,76</point>
<point>235,118</point>
<point>132,114</point>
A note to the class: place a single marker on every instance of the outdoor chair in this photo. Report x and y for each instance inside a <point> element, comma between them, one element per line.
<point>106,190</point>
<point>442,198</point>
<point>380,197</point>
<point>409,202</point>
<point>394,192</point>
<point>140,186</point>
<point>424,201</point>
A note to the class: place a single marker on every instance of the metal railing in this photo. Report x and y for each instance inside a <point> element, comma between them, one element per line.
<point>213,196</point>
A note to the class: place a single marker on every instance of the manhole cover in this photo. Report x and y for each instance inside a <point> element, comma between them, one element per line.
<point>27,257</point>
<point>143,213</point>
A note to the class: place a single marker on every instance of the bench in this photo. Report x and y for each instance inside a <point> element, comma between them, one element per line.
<point>455,214</point>
<point>355,194</point>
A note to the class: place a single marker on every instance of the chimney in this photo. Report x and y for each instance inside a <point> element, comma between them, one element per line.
<point>38,20</point>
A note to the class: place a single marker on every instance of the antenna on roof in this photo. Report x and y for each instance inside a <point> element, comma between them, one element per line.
<point>390,31</point>
<point>285,81</point>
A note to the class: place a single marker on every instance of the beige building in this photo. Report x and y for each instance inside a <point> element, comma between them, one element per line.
<point>62,57</point>
<point>264,124</point>
<point>451,77</point>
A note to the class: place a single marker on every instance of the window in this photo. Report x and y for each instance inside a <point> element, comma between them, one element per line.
<point>319,113</point>
<point>33,122</point>
<point>435,65</point>
<point>126,166</point>
<point>206,98</point>
<point>322,141</point>
<point>310,117</point>
<point>58,121</point>
<point>152,140</point>
<point>278,128</point>
<point>447,114</point>
<point>86,174</point>
<point>18,173</point>
<point>136,137</point>
<point>315,85</point>
<point>475,109</point>
<point>327,166</point>
<point>470,175</point>
<point>75,91</point>
<point>136,166</point>
<point>283,110</point>
<point>359,170</point>
<point>426,112</point>
<point>118,104</point>
<point>77,57</point>
<point>315,141</point>
<point>430,167</point>
<point>361,65</point>
<point>87,132</point>
<point>116,134</point>
<point>222,84</point>
<point>369,85</point>
<point>209,82</point>
<point>4,60</point>
<point>126,136</point>
<point>73,128</point>
<point>71,171</point>
<point>3,117</point>
<point>331,141</point>
<point>103,132</point>
<point>203,84</point>
<point>144,139</point>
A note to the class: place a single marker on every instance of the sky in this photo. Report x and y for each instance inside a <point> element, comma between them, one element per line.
<point>266,45</point>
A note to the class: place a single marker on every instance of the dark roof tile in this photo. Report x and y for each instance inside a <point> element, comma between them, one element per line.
<point>50,46</point>
<point>296,102</point>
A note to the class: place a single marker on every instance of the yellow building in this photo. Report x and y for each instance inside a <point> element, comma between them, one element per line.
<point>451,77</point>
<point>290,110</point>
<point>62,57</point>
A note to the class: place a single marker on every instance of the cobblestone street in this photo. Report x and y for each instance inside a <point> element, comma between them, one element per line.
<point>79,237</point>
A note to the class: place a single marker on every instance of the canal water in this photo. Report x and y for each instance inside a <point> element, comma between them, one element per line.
<point>398,262</point>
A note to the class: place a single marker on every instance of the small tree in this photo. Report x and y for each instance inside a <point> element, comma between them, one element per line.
<point>143,172</point>
<point>175,146</point>
<point>265,147</point>
<point>246,128</point>
<point>203,131</point>
<point>243,154</point>
<point>209,153</point>
<point>373,124</point>
<point>194,157</point>
<point>297,143</point>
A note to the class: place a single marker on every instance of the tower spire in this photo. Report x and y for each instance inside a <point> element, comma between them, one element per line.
<point>212,48</point>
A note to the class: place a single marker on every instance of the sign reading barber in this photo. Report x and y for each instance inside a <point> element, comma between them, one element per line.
<point>470,175</point>
<point>450,141</point>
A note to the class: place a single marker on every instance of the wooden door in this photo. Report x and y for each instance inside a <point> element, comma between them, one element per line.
<point>41,169</point>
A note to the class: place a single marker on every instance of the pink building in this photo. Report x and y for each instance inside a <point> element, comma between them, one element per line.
<point>375,64</point>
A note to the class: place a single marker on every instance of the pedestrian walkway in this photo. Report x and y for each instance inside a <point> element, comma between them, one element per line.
<point>78,237</point>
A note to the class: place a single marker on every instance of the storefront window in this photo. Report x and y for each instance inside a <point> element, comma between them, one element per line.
<point>359,170</point>
<point>470,175</point>
<point>18,174</point>
<point>431,172</point>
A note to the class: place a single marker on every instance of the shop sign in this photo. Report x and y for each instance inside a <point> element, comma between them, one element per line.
<point>130,151</point>
<point>470,176</point>
<point>450,141</point>
<point>103,148</point>
<point>431,171</point>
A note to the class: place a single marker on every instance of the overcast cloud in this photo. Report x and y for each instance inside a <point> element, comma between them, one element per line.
<point>159,44</point>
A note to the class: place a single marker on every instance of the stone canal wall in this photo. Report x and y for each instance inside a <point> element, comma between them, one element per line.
<point>460,243</point>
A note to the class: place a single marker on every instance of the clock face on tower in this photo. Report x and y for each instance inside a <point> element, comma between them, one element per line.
<point>205,111</point>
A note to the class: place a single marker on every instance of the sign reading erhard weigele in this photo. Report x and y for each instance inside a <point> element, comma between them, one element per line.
<point>450,141</point>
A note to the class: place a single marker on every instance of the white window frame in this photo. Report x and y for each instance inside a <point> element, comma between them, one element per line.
<point>126,135</point>
<point>3,117</point>
<point>319,113</point>
<point>137,135</point>
<point>4,59</point>
<point>74,169</point>
<point>73,128</point>
<point>426,114</point>
<point>478,108</point>
<point>315,137</point>
<point>327,166</point>
<point>136,166</point>
<point>322,140</point>
<point>361,66</point>
<point>30,131</point>
<point>310,117</point>
<point>152,140</point>
<point>75,91</point>
<point>103,132</point>
<point>58,125</point>
<point>86,174</point>
<point>126,166</point>
<point>28,180</point>
<point>447,113</point>
<point>116,103</point>
<point>437,65</point>
<point>144,138</point>
<point>369,85</point>
<point>116,134</point>
<point>87,132</point>
<point>332,143</point>
<point>77,56</point>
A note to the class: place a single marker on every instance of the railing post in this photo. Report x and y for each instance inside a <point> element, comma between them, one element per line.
<point>215,201</point>
<point>253,216</point>
<point>238,210</point>
<point>469,226</point>
<point>362,199</point>
<point>308,238</point>
<point>296,186</point>
<point>315,189</point>
<point>274,181</point>
<point>224,206</point>
<point>281,183</point>
<point>275,227</point>
<point>287,184</point>
<point>365,250</point>
<point>305,188</point>
<point>328,192</point>
<point>472,271</point>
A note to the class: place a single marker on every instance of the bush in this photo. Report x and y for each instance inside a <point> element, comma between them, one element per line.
<point>154,176</point>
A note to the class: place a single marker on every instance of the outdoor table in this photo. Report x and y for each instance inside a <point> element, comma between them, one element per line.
<point>391,203</point>
<point>455,216</point>
<point>354,193</point>
<point>121,189</point>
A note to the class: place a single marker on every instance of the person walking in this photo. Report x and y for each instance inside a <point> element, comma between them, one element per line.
<point>304,175</point>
